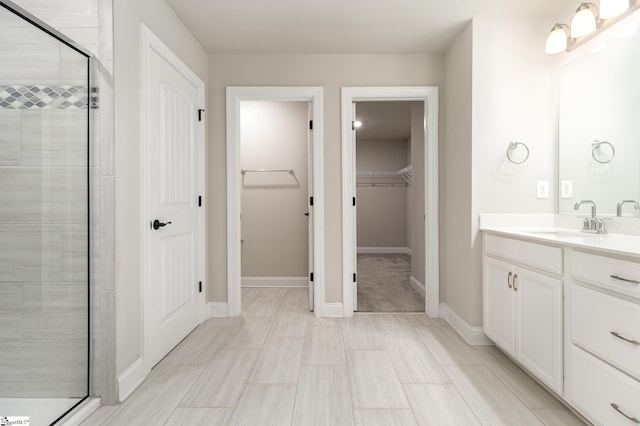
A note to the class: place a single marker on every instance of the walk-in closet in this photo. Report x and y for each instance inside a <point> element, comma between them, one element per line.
<point>390,193</point>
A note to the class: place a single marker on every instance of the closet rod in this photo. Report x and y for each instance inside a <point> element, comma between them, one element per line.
<point>244,171</point>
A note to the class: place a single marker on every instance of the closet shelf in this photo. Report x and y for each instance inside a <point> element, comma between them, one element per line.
<point>404,174</point>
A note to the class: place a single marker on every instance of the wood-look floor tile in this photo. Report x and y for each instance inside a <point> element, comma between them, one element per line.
<point>154,401</point>
<point>384,417</point>
<point>447,346</point>
<point>279,361</point>
<point>520,383</point>
<point>489,399</point>
<point>362,332</point>
<point>323,396</point>
<point>200,346</point>
<point>100,416</point>
<point>222,322</point>
<point>439,404</point>
<point>265,405</point>
<point>266,304</point>
<point>222,381</point>
<point>290,323</point>
<point>295,300</point>
<point>395,325</point>
<point>558,417</point>
<point>324,346</point>
<point>373,380</point>
<point>413,361</point>
<point>250,334</point>
<point>199,416</point>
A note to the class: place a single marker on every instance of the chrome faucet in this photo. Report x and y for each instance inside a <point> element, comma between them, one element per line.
<point>635,204</point>
<point>593,224</point>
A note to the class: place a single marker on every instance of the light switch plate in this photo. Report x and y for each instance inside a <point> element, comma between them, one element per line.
<point>543,189</point>
<point>566,189</point>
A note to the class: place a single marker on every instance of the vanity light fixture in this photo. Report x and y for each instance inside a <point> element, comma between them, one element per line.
<point>557,40</point>
<point>612,8</point>
<point>584,22</point>
<point>588,19</point>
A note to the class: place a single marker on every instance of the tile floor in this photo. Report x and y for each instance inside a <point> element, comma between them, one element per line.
<point>279,365</point>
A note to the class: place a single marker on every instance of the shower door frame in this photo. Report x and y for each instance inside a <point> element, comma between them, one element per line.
<point>57,35</point>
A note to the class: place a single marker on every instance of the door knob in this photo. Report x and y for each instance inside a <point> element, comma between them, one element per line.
<point>157,224</point>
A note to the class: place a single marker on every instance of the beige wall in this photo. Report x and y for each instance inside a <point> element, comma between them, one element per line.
<point>329,71</point>
<point>382,210</point>
<point>499,89</point>
<point>274,135</point>
<point>455,178</point>
<point>128,14</point>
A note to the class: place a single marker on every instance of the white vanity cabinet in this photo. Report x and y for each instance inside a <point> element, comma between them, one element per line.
<point>522,304</point>
<point>604,338</point>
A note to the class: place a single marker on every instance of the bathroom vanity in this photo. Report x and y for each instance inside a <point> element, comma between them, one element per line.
<point>565,305</point>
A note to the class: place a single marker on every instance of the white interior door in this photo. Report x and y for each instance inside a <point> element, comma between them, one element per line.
<point>355,208</point>
<point>175,226</point>
<point>310,214</point>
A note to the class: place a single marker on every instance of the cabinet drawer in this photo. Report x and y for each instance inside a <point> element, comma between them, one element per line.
<point>595,316</point>
<point>618,275</point>
<point>537,255</point>
<point>595,386</point>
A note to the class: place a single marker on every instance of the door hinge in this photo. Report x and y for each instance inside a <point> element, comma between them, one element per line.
<point>354,201</point>
<point>311,276</point>
<point>353,125</point>
<point>199,200</point>
<point>310,124</point>
<point>200,111</point>
<point>311,201</point>
<point>199,286</point>
<point>355,276</point>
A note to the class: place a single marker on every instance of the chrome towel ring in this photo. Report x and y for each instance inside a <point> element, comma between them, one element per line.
<point>603,158</point>
<point>513,146</point>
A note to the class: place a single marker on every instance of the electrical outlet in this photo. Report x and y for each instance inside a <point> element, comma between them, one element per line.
<point>566,189</point>
<point>543,189</point>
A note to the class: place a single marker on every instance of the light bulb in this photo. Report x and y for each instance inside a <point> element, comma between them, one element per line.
<point>583,22</point>
<point>557,40</point>
<point>612,8</point>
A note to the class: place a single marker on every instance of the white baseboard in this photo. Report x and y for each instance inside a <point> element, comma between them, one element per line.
<point>384,250</point>
<point>472,335</point>
<point>83,412</point>
<point>130,379</point>
<point>334,310</point>
<point>217,309</point>
<point>418,286</point>
<point>275,281</point>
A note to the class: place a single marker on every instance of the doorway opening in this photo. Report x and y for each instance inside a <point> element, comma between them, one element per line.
<point>426,207</point>
<point>389,145</point>
<point>267,183</point>
<point>276,210</point>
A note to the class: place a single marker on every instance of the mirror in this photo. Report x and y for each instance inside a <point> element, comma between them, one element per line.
<point>599,127</point>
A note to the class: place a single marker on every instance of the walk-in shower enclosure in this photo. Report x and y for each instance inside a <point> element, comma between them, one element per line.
<point>44,220</point>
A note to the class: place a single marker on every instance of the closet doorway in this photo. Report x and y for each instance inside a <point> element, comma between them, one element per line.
<point>424,267</point>
<point>389,152</point>
<point>274,192</point>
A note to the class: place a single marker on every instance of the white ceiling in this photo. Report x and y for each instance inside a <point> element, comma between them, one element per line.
<point>386,120</point>
<point>342,26</point>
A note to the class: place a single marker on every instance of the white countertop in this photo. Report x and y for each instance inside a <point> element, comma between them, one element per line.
<point>620,244</point>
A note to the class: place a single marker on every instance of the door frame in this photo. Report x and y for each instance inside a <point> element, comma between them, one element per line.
<point>236,95</point>
<point>150,42</point>
<point>428,95</point>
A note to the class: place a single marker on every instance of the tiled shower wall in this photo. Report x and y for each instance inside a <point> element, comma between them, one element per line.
<point>42,147</point>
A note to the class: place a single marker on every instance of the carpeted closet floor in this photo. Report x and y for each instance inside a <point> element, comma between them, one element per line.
<point>383,284</point>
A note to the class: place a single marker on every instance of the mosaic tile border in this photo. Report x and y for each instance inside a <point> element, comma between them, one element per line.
<point>43,97</point>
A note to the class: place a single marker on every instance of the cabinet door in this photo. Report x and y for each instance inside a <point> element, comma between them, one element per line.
<point>498,304</point>
<point>539,325</point>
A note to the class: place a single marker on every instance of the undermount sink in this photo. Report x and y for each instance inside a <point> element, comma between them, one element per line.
<point>565,234</point>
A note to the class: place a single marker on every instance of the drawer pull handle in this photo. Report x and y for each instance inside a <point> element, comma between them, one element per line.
<point>616,277</point>
<point>633,342</point>
<point>509,279</point>
<point>633,419</point>
<point>515,282</point>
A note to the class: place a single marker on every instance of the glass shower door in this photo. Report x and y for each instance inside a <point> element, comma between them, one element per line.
<point>44,221</point>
